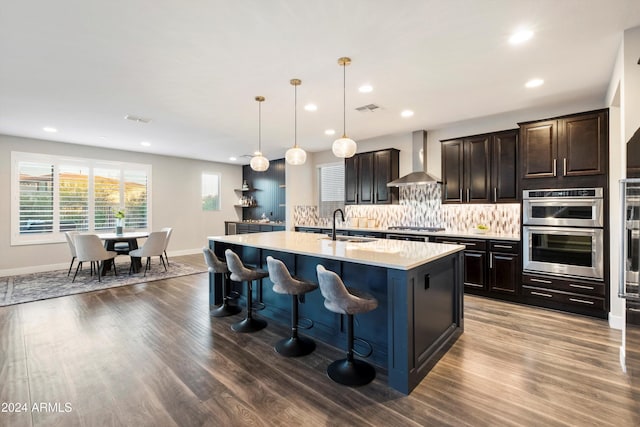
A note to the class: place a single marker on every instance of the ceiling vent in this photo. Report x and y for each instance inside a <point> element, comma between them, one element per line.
<point>137,119</point>
<point>368,108</point>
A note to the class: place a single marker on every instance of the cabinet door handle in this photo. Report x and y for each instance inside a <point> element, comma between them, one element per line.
<point>554,167</point>
<point>533,279</point>
<point>469,244</point>
<point>564,166</point>
<point>490,260</point>
<point>449,243</point>
<point>461,196</point>
<point>581,301</point>
<point>495,194</point>
<point>468,194</point>
<point>503,246</point>
<point>573,285</point>
<point>427,283</point>
<point>541,294</point>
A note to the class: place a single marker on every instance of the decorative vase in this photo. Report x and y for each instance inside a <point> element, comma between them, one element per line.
<point>119,226</point>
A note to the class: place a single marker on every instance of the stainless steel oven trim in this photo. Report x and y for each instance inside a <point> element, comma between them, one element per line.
<point>597,190</point>
<point>595,272</point>
<point>596,212</point>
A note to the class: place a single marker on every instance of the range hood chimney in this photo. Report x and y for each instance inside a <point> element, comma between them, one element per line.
<point>418,177</point>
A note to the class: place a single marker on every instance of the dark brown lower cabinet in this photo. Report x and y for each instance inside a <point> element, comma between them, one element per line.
<point>504,267</point>
<point>491,267</point>
<point>574,295</point>
<point>475,269</point>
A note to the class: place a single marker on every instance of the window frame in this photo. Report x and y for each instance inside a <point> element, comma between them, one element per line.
<point>218,175</point>
<point>57,236</point>
<point>334,204</point>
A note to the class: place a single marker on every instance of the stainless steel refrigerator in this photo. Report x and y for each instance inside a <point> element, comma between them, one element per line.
<point>629,286</point>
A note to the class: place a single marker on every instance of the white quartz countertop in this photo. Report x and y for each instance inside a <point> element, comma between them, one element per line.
<point>395,254</point>
<point>445,233</point>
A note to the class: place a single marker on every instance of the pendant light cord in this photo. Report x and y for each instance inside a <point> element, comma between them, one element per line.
<point>260,127</point>
<point>295,116</point>
<point>344,100</point>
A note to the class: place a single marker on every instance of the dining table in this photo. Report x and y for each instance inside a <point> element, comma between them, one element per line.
<point>110,240</point>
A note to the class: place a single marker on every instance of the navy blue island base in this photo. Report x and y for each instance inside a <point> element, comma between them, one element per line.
<point>419,315</point>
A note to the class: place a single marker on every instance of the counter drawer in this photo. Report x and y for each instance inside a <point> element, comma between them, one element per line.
<point>577,286</point>
<point>500,246</point>
<point>472,244</point>
<point>577,300</point>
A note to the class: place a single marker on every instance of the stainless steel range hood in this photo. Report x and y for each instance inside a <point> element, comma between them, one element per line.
<point>419,177</point>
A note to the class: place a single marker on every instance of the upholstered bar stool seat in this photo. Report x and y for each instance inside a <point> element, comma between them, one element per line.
<point>283,283</point>
<point>337,298</point>
<point>217,266</point>
<point>240,273</point>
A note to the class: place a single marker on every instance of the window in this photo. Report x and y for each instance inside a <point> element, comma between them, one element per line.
<point>210,192</point>
<point>331,191</point>
<point>54,194</point>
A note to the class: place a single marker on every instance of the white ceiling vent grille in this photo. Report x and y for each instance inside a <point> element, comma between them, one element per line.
<point>137,119</point>
<point>369,108</point>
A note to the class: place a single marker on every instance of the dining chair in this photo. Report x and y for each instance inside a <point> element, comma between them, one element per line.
<point>154,246</point>
<point>70,236</point>
<point>89,248</point>
<point>169,230</point>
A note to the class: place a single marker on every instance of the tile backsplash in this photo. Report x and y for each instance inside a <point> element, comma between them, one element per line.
<point>420,206</point>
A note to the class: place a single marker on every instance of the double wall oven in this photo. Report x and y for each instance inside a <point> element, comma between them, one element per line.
<point>563,231</point>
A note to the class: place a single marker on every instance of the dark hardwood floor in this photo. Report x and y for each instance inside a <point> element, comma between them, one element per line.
<point>149,355</point>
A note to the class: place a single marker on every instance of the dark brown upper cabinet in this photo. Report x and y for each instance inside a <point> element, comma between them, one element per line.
<point>367,174</point>
<point>563,148</point>
<point>480,168</point>
<point>633,155</point>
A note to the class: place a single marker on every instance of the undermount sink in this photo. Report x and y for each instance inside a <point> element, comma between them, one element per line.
<point>350,239</point>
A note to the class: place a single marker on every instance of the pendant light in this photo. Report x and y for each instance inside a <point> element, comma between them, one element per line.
<point>295,155</point>
<point>259,163</point>
<point>344,147</point>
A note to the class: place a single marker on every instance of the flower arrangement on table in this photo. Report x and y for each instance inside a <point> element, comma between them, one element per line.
<point>119,221</point>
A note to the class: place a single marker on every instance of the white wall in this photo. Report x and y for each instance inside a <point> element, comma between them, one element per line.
<point>300,190</point>
<point>176,201</point>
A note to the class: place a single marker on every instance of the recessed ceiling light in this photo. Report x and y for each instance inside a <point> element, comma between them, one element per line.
<point>520,36</point>
<point>49,129</point>
<point>534,83</point>
<point>233,159</point>
<point>145,143</point>
<point>311,107</point>
<point>407,113</point>
<point>365,88</point>
<point>329,132</point>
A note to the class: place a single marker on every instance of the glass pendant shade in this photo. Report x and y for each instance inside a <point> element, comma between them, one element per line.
<point>295,156</point>
<point>344,147</point>
<point>259,163</point>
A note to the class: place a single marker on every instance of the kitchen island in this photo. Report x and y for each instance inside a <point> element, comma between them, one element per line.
<point>418,286</point>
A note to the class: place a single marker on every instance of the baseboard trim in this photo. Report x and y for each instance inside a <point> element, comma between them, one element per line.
<point>50,267</point>
<point>616,322</point>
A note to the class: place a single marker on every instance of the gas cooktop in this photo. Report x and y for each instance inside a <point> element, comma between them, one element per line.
<point>407,228</point>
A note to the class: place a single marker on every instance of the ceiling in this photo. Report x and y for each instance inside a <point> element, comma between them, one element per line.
<point>194,67</point>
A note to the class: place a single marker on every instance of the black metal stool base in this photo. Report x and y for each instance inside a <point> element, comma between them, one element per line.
<point>225,310</point>
<point>353,373</point>
<point>249,325</point>
<point>295,347</point>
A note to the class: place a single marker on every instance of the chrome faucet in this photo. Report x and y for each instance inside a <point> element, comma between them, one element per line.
<point>333,229</point>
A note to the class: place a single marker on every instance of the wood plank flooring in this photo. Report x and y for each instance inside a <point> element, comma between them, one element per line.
<point>149,355</point>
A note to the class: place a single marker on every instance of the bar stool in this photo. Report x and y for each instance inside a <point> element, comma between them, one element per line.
<point>283,283</point>
<point>217,266</point>
<point>339,299</point>
<point>240,273</point>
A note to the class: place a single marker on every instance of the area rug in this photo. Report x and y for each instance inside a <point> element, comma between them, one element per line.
<point>53,284</point>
